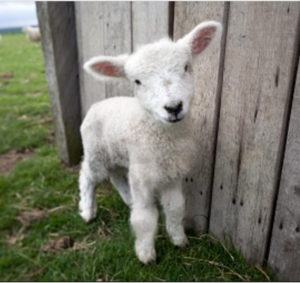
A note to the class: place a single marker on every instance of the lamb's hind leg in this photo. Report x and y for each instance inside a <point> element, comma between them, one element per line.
<point>87,184</point>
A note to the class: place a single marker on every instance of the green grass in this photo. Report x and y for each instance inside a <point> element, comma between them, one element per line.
<point>103,249</point>
<point>24,103</point>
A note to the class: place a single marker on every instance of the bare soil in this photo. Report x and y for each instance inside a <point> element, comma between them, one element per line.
<point>6,75</point>
<point>64,242</point>
<point>28,217</point>
<point>9,159</point>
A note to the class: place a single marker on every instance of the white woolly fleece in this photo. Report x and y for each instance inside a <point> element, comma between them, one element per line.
<point>145,144</point>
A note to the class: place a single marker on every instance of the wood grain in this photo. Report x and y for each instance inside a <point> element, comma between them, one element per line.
<point>103,28</point>
<point>285,242</point>
<point>260,58</point>
<point>57,24</point>
<point>205,107</point>
<point>150,22</point>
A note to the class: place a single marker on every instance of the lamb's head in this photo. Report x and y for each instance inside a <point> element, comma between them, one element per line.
<point>161,71</point>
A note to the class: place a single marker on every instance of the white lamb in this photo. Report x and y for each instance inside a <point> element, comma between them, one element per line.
<point>145,144</point>
<point>33,33</point>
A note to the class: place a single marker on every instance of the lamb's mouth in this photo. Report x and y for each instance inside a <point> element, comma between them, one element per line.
<point>175,120</point>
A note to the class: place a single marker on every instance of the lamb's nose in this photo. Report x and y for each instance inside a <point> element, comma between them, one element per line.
<point>175,109</point>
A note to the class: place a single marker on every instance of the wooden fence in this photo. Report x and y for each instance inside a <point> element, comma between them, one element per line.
<point>247,107</point>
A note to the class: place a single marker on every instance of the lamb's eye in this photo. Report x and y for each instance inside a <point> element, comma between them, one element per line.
<point>186,67</point>
<point>138,82</point>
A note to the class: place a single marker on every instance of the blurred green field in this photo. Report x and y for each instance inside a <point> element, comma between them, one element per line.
<point>24,104</point>
<point>39,195</point>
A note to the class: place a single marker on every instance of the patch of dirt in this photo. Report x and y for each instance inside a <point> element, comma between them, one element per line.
<point>73,169</point>
<point>83,244</point>
<point>57,244</point>
<point>30,216</point>
<point>6,75</point>
<point>62,243</point>
<point>15,238</point>
<point>9,159</point>
<point>27,217</point>
<point>12,240</point>
<point>104,233</point>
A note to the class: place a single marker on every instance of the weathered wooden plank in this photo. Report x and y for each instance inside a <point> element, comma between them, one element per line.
<point>260,57</point>
<point>57,24</point>
<point>117,32</point>
<point>103,28</point>
<point>150,22</point>
<point>285,243</point>
<point>90,43</point>
<point>205,106</point>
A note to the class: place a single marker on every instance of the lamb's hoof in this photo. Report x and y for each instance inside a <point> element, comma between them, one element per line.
<point>180,242</point>
<point>88,215</point>
<point>148,263</point>
<point>147,257</point>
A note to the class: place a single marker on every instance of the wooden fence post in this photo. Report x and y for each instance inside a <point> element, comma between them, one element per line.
<point>285,242</point>
<point>259,65</point>
<point>57,24</point>
<point>104,28</point>
<point>208,77</point>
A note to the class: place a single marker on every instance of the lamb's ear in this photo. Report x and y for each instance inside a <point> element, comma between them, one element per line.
<point>106,67</point>
<point>201,36</point>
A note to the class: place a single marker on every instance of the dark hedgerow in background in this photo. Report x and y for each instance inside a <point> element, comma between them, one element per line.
<point>39,195</point>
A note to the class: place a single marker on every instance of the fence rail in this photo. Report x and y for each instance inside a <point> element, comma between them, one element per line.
<point>246,109</point>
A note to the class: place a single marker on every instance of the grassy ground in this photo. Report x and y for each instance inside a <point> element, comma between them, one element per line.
<point>38,203</point>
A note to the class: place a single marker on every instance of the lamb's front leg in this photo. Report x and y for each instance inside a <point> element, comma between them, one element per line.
<point>143,218</point>
<point>173,202</point>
